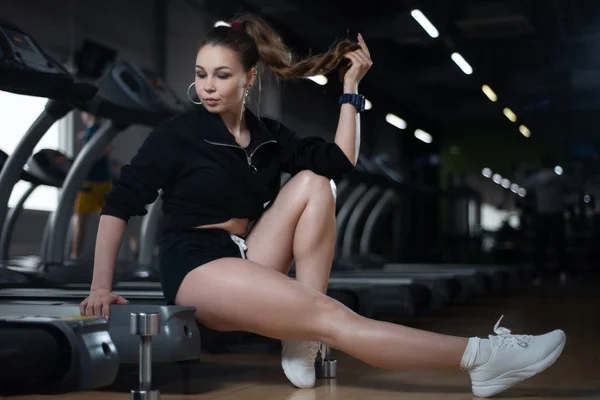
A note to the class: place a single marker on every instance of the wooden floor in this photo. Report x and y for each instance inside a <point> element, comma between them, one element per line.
<point>256,375</point>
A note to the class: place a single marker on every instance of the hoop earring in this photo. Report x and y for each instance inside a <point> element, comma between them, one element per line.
<point>188,94</point>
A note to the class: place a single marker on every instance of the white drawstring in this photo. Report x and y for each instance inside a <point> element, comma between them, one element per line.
<point>241,243</point>
<point>333,188</point>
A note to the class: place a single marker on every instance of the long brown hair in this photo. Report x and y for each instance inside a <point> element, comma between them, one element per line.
<point>258,45</point>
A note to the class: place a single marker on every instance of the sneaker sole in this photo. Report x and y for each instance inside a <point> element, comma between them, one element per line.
<point>285,367</point>
<point>486,390</point>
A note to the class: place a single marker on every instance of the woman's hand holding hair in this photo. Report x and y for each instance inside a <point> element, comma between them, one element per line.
<point>360,63</point>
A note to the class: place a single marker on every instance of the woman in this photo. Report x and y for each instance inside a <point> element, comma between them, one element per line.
<point>219,166</point>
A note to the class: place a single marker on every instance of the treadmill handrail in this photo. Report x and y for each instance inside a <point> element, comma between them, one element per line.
<point>345,211</point>
<point>389,198</point>
<point>58,222</point>
<point>9,225</point>
<point>342,187</point>
<point>148,232</point>
<point>352,228</point>
<point>11,173</point>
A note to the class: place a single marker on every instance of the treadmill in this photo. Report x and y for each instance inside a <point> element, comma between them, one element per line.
<point>71,357</point>
<point>127,95</point>
<point>376,194</point>
<point>47,167</point>
<point>358,189</point>
<point>49,317</point>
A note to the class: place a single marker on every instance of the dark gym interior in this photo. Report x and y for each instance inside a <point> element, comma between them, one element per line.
<point>476,111</point>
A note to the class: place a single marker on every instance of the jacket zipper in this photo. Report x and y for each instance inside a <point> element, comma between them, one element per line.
<point>248,157</point>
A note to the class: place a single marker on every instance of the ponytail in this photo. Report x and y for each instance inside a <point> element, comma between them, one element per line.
<point>278,58</point>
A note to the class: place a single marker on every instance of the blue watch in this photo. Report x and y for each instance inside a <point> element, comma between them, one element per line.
<point>357,100</point>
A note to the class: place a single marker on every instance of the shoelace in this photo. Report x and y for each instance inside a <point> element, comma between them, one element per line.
<point>313,349</point>
<point>509,339</point>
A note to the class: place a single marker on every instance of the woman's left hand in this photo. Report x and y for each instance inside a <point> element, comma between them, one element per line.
<point>360,63</point>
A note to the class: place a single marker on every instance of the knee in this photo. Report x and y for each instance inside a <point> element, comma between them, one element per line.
<point>332,319</point>
<point>315,186</point>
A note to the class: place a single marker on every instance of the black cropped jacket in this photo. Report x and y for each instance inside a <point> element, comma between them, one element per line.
<point>207,178</point>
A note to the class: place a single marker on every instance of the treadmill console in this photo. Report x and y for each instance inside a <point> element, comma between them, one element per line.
<point>25,68</point>
<point>129,94</point>
<point>19,50</point>
<point>145,88</point>
<point>161,90</point>
<point>48,167</point>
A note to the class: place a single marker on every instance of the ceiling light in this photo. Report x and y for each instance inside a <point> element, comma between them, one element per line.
<point>514,188</point>
<point>368,105</point>
<point>510,114</point>
<point>221,23</point>
<point>486,172</point>
<point>489,93</point>
<point>396,121</point>
<point>462,63</point>
<point>497,178</point>
<point>505,183</point>
<point>522,192</point>
<point>525,131</point>
<point>558,170</point>
<point>423,136</point>
<point>320,79</point>
<point>425,23</point>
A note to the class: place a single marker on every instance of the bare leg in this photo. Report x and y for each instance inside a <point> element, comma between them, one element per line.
<point>300,226</point>
<point>235,294</point>
<point>78,234</point>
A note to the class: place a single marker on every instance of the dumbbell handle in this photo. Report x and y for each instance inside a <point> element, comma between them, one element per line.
<point>145,374</point>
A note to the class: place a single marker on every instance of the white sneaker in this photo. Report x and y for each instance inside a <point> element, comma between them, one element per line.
<point>514,359</point>
<point>298,362</point>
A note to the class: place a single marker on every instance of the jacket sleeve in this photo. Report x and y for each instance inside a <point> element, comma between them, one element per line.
<point>310,153</point>
<point>155,163</point>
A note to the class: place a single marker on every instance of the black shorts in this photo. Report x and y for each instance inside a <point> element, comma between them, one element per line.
<point>182,251</point>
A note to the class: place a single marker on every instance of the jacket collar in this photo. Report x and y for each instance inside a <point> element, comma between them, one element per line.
<point>219,133</point>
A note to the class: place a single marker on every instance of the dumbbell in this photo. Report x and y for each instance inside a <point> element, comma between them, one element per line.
<point>325,367</point>
<point>145,326</point>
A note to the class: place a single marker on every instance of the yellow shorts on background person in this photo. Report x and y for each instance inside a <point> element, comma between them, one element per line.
<point>91,198</point>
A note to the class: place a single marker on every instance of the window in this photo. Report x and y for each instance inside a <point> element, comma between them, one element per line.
<point>17,114</point>
<point>492,218</point>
